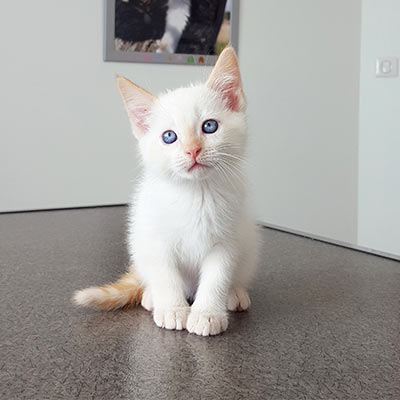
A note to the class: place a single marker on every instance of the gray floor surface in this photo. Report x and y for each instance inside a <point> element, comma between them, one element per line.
<point>324,322</point>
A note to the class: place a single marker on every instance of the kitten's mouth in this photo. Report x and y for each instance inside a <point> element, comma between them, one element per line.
<point>196,165</point>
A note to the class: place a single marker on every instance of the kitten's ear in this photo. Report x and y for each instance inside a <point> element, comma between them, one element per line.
<point>225,79</point>
<point>138,103</point>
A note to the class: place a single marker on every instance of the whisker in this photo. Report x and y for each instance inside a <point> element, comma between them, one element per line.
<point>234,170</point>
<point>229,173</point>
<point>241,159</point>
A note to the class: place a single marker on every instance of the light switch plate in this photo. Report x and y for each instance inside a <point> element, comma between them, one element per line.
<point>387,67</point>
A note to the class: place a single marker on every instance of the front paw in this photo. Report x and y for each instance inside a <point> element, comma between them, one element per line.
<point>206,323</point>
<point>171,318</point>
<point>165,46</point>
<point>238,299</point>
<point>147,301</point>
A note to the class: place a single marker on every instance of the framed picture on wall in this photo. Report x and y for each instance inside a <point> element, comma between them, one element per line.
<point>190,32</point>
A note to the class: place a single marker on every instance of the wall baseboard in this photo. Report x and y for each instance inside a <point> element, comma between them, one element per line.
<point>332,241</point>
<point>263,224</point>
<point>28,210</point>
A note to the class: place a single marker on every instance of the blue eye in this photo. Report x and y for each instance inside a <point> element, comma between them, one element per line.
<point>169,137</point>
<point>210,126</point>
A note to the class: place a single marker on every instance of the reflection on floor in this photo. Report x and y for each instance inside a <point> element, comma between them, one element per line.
<point>324,323</point>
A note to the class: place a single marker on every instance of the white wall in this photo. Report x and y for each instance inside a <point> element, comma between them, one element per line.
<point>379,160</point>
<point>300,64</point>
<point>64,136</point>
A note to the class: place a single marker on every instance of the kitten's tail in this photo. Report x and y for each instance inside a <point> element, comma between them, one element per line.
<point>126,290</point>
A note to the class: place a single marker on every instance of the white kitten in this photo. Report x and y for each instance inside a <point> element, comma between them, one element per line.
<point>190,232</point>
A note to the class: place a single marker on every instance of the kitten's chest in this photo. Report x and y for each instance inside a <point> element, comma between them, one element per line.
<point>200,226</point>
<point>201,212</point>
<point>199,217</point>
<point>189,220</point>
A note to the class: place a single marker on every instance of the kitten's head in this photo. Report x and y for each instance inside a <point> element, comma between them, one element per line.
<point>194,132</point>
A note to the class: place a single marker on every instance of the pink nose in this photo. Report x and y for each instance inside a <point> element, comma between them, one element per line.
<point>194,152</point>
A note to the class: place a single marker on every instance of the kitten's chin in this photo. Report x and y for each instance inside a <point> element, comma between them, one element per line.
<point>197,172</point>
<point>197,166</point>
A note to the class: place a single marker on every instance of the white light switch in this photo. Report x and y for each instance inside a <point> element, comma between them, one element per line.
<point>387,67</point>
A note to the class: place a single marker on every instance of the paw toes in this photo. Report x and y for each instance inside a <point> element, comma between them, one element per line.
<point>238,300</point>
<point>174,318</point>
<point>206,324</point>
<point>147,301</point>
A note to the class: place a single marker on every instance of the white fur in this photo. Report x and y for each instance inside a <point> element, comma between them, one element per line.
<point>190,233</point>
<point>85,297</point>
<point>178,13</point>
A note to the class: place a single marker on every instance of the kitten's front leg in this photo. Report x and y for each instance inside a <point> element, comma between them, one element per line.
<point>208,315</point>
<point>165,286</point>
<point>178,13</point>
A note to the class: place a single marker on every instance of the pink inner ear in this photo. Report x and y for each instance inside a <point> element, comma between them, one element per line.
<point>140,114</point>
<point>229,87</point>
<point>225,79</point>
<point>138,104</point>
<point>230,93</point>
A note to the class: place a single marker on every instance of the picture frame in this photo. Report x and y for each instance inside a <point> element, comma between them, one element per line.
<point>150,50</point>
